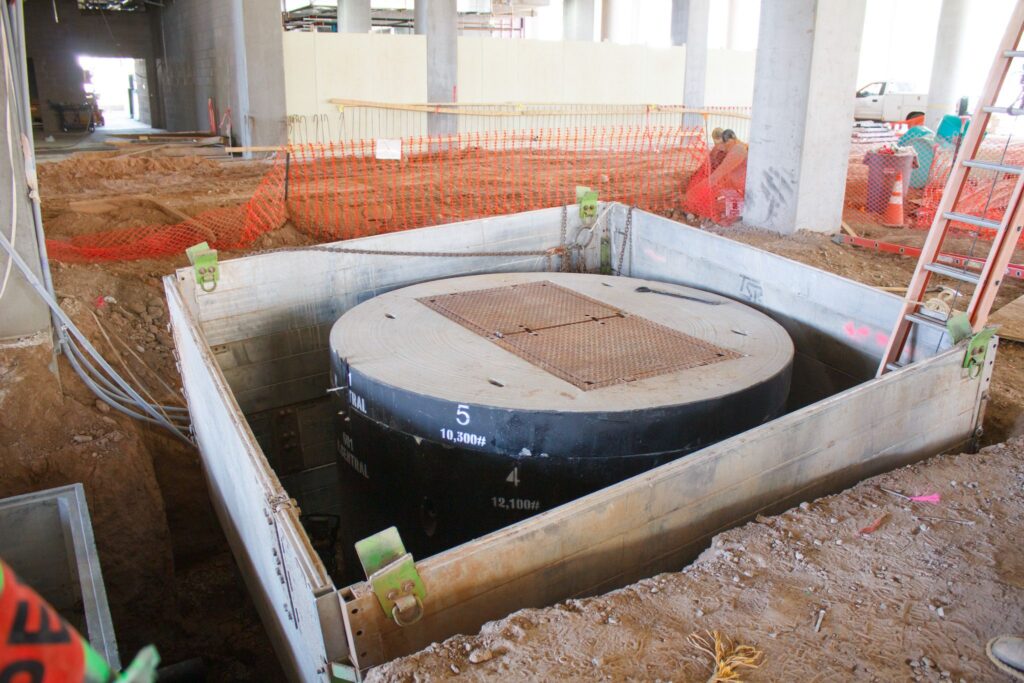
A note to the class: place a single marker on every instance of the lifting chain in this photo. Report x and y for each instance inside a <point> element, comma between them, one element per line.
<point>625,240</point>
<point>552,251</point>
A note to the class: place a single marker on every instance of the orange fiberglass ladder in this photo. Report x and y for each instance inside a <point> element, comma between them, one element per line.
<point>1008,230</point>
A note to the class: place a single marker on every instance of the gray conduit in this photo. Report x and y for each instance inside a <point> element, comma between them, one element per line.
<point>70,334</point>
<point>111,395</point>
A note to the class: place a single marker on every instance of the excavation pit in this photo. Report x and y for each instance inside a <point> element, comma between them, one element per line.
<point>255,357</point>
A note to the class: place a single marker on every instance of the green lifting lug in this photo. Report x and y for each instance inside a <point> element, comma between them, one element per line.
<point>587,199</point>
<point>204,263</point>
<point>391,573</point>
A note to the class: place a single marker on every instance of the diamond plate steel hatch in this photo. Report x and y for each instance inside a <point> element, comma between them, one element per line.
<point>578,339</point>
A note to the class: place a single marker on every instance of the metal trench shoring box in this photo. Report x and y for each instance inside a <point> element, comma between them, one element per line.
<point>47,538</point>
<point>258,342</point>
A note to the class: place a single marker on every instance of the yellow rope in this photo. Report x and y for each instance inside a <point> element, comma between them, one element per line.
<point>727,657</point>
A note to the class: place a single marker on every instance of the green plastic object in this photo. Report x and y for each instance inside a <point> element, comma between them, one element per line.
<point>41,645</point>
<point>977,351</point>
<point>922,141</point>
<point>587,199</point>
<point>950,127</point>
<point>915,132</point>
<point>204,263</point>
<point>959,327</point>
<point>391,573</point>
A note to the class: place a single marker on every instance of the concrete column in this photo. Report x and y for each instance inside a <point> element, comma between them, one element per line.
<point>695,72</point>
<point>438,21</point>
<point>807,58</point>
<point>22,312</point>
<point>615,20</point>
<point>947,62</point>
<point>680,20</point>
<point>732,25</point>
<point>618,18</point>
<point>259,73</point>
<point>353,16</point>
<point>578,20</point>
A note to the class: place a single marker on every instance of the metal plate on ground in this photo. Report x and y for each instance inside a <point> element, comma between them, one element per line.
<point>582,341</point>
<point>517,308</point>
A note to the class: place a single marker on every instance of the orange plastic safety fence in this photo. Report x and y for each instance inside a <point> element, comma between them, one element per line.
<point>924,165</point>
<point>351,189</point>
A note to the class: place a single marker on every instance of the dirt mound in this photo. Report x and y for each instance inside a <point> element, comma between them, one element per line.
<point>916,599</point>
<point>91,173</point>
<point>170,578</point>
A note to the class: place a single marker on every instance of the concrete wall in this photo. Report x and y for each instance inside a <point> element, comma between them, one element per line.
<point>730,78</point>
<point>196,62</point>
<point>800,131</point>
<point>142,87</point>
<point>22,312</point>
<point>228,51</point>
<point>501,70</point>
<point>377,67</point>
<point>54,47</point>
<point>321,66</point>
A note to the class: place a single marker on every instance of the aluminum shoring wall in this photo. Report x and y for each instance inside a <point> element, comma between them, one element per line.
<point>246,329</point>
<point>47,538</point>
<point>663,519</point>
<point>840,327</point>
<point>655,522</point>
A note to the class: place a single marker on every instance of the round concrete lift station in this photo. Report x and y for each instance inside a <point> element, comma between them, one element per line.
<point>470,403</point>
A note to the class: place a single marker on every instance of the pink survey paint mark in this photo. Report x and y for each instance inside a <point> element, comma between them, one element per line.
<point>654,256</point>
<point>881,339</point>
<point>932,498</point>
<point>851,330</point>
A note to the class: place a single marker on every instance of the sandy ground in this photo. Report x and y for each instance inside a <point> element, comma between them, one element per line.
<point>917,599</point>
<point>172,581</point>
<point>170,577</point>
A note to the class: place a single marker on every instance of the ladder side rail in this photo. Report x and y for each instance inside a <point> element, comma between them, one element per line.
<point>993,273</point>
<point>954,187</point>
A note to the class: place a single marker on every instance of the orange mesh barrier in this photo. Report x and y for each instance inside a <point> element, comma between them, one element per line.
<point>924,166</point>
<point>343,190</point>
<point>986,193</point>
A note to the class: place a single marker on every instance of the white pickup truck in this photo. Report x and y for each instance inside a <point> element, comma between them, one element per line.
<point>888,101</point>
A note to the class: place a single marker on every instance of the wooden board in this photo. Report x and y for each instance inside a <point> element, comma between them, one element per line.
<point>1010,319</point>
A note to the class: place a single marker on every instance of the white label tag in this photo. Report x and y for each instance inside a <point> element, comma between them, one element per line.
<point>388,148</point>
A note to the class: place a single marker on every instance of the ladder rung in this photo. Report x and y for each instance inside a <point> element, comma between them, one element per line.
<point>1012,111</point>
<point>992,166</point>
<point>927,321</point>
<point>1013,53</point>
<point>972,220</point>
<point>953,272</point>
<point>893,366</point>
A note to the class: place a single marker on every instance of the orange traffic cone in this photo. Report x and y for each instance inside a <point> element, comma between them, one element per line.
<point>893,216</point>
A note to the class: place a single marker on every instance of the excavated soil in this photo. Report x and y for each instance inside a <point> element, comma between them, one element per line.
<point>171,579</point>
<point>916,599</point>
